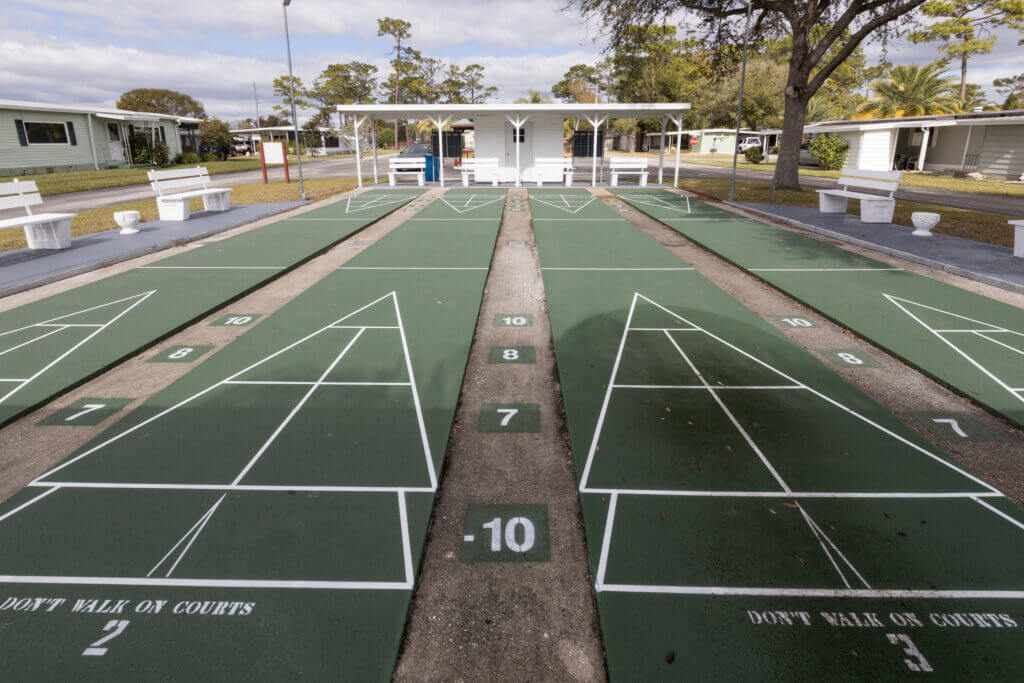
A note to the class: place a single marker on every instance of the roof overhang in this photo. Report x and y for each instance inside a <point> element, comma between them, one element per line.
<point>125,117</point>
<point>643,110</point>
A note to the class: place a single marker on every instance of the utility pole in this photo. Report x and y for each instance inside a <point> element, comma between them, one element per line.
<point>291,90</point>
<point>256,101</point>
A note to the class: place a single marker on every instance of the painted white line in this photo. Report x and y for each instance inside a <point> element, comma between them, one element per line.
<point>446,220</point>
<point>784,494</point>
<point>415,394</point>
<point>206,583</point>
<point>588,220</point>
<point>895,594</point>
<point>984,335</point>
<point>191,534</point>
<point>212,267</point>
<point>403,519</point>
<point>409,268</point>
<point>296,409</point>
<point>1008,518</point>
<point>27,503</point>
<point>69,325</point>
<point>969,331</point>
<point>12,380</point>
<point>818,270</point>
<point>204,391</point>
<point>269,488</point>
<point>322,384</point>
<point>641,269</point>
<point>606,541</point>
<point>705,387</point>
<point>665,329</point>
<point>728,413</point>
<point>57,328</point>
<point>364,327</point>
<point>141,297</point>
<point>300,218</point>
<point>708,220</point>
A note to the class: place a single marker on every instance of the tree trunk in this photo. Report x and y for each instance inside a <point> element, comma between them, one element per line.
<point>963,76</point>
<point>787,165</point>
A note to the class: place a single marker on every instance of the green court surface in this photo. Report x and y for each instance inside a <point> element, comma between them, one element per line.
<point>263,516</point>
<point>51,345</point>
<point>964,340</point>
<point>749,513</point>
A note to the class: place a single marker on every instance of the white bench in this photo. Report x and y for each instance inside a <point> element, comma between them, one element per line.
<point>873,208</point>
<point>629,166</point>
<point>183,184</point>
<point>1018,238</point>
<point>43,230</point>
<point>554,168</point>
<point>416,166</point>
<point>484,170</point>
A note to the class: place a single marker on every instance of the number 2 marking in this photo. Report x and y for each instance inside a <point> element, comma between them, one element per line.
<point>116,628</point>
<point>87,408</point>
<point>953,424</point>
<point>918,663</point>
<point>508,413</point>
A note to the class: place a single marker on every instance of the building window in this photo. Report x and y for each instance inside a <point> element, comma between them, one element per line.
<point>41,133</point>
<point>521,137</point>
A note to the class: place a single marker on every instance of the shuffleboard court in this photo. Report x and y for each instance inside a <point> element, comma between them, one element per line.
<point>51,345</point>
<point>965,340</point>
<point>749,513</point>
<point>265,514</point>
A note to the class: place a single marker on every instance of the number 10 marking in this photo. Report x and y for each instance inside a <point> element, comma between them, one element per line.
<point>529,534</point>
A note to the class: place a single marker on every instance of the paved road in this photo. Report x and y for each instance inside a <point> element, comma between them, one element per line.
<point>91,199</point>
<point>991,203</point>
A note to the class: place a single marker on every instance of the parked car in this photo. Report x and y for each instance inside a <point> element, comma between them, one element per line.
<point>416,150</point>
<point>805,155</point>
<point>749,143</point>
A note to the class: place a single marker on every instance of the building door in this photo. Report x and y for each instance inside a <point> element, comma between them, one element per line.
<point>525,143</point>
<point>116,143</point>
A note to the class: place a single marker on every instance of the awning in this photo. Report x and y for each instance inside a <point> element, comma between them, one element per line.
<point>125,117</point>
<point>642,110</point>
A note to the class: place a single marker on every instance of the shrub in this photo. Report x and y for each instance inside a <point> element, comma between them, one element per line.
<point>829,151</point>
<point>753,155</point>
<point>209,156</point>
<point>190,158</point>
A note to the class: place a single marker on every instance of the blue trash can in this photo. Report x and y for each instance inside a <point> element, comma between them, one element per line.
<point>431,169</point>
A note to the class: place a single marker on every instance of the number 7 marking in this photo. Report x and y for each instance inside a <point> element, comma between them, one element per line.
<point>116,627</point>
<point>508,415</point>
<point>87,408</point>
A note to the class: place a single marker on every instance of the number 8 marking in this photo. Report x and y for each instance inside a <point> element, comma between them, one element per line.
<point>510,354</point>
<point>181,353</point>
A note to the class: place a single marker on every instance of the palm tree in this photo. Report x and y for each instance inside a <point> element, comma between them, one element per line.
<point>910,90</point>
<point>974,98</point>
<point>533,97</point>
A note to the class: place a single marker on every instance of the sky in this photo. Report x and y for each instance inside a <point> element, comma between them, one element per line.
<point>88,52</point>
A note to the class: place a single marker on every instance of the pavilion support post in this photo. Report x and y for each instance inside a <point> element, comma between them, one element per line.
<point>517,124</point>
<point>373,145</point>
<point>595,122</point>
<point>440,122</point>
<point>356,122</point>
<point>967,144</point>
<point>661,150</point>
<point>924,148</point>
<point>92,143</point>
<point>679,144</point>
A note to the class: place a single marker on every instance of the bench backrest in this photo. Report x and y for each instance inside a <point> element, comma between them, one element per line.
<point>887,181</point>
<point>419,163</point>
<point>19,194</point>
<point>548,162</point>
<point>479,162</point>
<point>179,179</point>
<point>629,163</point>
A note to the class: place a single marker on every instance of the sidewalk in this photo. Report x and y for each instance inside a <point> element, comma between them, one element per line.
<point>979,261</point>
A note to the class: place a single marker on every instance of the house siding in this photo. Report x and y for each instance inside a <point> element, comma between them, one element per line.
<point>1002,152</point>
<point>17,159</point>
<point>874,152</point>
<point>543,139</point>
<point>853,153</point>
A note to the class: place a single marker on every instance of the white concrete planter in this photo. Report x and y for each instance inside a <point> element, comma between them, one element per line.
<point>924,221</point>
<point>128,220</point>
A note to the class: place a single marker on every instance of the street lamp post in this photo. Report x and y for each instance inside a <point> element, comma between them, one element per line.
<point>291,90</point>
<point>739,109</point>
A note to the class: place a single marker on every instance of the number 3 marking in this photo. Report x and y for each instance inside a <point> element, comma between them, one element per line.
<point>918,663</point>
<point>116,628</point>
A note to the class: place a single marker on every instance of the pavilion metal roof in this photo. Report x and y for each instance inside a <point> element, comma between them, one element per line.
<point>567,109</point>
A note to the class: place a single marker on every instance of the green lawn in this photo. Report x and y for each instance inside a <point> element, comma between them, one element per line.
<point>80,181</point>
<point>972,225</point>
<point>100,219</point>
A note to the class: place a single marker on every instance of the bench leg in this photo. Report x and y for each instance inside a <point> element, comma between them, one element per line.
<point>568,179</point>
<point>391,179</point>
<point>494,180</point>
<point>828,203</point>
<point>465,180</point>
<point>872,211</point>
<point>173,209</point>
<point>52,235</point>
<point>421,178</point>
<point>1018,241</point>
<point>643,179</point>
<point>615,179</point>
<point>217,202</point>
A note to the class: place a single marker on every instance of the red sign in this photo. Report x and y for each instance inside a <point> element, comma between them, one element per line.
<point>694,141</point>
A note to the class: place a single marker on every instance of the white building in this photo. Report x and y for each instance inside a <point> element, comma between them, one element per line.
<point>989,142</point>
<point>516,134</point>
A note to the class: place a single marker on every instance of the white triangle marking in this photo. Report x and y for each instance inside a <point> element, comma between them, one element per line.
<point>565,200</point>
<point>466,207</point>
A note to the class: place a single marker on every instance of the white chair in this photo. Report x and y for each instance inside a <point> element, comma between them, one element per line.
<point>554,169</point>
<point>629,166</point>
<point>42,231</point>
<point>873,208</point>
<point>184,184</point>
<point>416,166</point>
